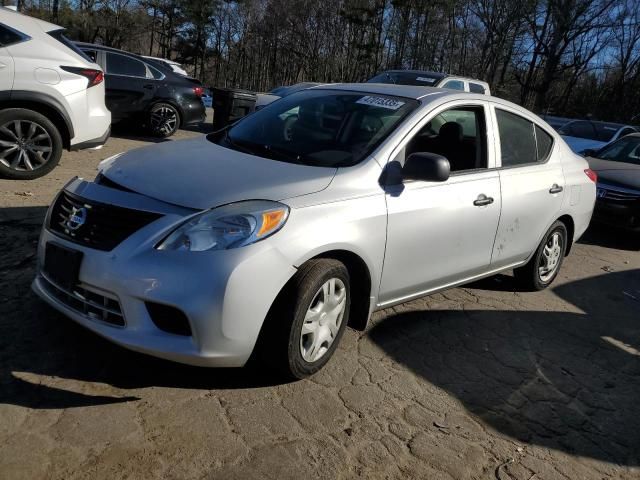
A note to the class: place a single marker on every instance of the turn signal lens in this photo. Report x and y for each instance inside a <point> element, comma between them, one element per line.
<point>593,176</point>
<point>271,221</point>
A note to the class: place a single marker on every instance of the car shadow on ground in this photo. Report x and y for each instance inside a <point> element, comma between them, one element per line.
<point>611,237</point>
<point>567,380</point>
<point>38,343</point>
<point>130,131</point>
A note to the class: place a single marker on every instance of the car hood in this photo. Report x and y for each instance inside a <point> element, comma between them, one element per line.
<point>199,174</point>
<point>580,144</point>
<point>616,173</point>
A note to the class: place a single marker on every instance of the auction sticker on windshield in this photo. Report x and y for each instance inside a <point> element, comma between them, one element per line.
<point>382,102</point>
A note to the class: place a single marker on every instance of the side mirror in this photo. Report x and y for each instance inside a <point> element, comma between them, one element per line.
<point>428,167</point>
<point>589,152</point>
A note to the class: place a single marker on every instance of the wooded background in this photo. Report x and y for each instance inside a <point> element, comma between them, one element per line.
<point>566,57</point>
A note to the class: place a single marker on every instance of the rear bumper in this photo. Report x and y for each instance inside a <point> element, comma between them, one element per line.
<point>96,142</point>
<point>193,112</point>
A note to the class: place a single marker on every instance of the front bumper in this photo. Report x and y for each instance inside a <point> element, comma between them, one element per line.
<point>618,215</point>
<point>225,295</point>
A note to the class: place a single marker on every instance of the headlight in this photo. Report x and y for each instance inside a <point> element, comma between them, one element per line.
<point>231,226</point>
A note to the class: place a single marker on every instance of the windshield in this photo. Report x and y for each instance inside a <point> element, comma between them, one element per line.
<point>326,128</point>
<point>406,78</point>
<point>626,150</point>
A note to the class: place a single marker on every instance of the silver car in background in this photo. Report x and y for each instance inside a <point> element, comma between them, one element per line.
<point>266,239</point>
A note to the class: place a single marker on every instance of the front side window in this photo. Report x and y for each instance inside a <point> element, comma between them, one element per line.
<point>626,150</point>
<point>328,128</point>
<point>123,65</point>
<point>9,36</point>
<point>517,139</point>
<point>458,135</point>
<point>454,85</point>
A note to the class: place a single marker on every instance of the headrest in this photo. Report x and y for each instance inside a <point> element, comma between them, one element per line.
<point>451,131</point>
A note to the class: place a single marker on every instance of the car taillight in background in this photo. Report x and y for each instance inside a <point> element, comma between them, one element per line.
<point>199,91</point>
<point>593,176</point>
<point>94,76</point>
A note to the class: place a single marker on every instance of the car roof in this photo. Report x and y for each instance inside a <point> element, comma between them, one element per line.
<point>109,49</point>
<point>601,124</point>
<point>21,21</point>
<point>415,92</point>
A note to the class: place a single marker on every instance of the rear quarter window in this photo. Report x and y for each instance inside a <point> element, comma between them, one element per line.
<point>60,37</point>
<point>9,36</point>
<point>544,142</point>
<point>476,88</point>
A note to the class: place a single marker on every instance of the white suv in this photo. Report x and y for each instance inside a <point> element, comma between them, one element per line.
<point>51,97</point>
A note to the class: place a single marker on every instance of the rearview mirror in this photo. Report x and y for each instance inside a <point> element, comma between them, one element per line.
<point>428,167</point>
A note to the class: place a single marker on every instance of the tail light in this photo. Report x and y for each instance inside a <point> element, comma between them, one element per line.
<point>593,176</point>
<point>94,76</point>
<point>199,91</point>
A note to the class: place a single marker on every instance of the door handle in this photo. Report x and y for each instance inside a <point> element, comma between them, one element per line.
<point>556,188</point>
<point>483,200</point>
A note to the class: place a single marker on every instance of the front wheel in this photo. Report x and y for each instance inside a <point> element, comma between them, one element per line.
<point>164,120</point>
<point>545,264</point>
<point>308,320</point>
<point>30,144</point>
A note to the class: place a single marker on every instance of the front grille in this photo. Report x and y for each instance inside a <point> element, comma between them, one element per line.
<point>94,224</point>
<point>618,195</point>
<point>89,303</point>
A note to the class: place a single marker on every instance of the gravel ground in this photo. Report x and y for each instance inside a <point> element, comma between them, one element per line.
<point>479,382</point>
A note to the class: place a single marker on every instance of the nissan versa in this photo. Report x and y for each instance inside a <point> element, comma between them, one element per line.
<point>268,238</point>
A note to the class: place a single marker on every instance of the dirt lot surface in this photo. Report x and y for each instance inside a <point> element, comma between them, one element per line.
<point>479,382</point>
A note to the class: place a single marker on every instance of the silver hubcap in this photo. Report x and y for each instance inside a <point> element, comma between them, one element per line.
<point>164,120</point>
<point>24,145</point>
<point>551,255</point>
<point>323,319</point>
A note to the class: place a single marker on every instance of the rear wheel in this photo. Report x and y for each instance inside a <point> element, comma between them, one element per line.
<point>545,264</point>
<point>308,320</point>
<point>164,120</point>
<point>30,144</point>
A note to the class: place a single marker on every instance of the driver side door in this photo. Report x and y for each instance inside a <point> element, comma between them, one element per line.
<point>439,234</point>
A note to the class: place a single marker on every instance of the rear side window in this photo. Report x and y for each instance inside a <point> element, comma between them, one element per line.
<point>476,88</point>
<point>9,36</point>
<point>544,142</point>
<point>517,139</point>
<point>59,36</point>
<point>123,65</point>
<point>454,85</point>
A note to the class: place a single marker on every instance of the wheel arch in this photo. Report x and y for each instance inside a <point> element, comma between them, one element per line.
<point>361,283</point>
<point>571,228</point>
<point>47,106</point>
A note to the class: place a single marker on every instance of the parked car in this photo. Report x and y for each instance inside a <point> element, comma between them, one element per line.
<point>248,242</point>
<point>582,135</point>
<point>146,91</point>
<point>432,79</point>
<point>264,99</point>
<point>618,193</point>
<point>51,97</point>
<point>556,122</point>
<point>173,65</point>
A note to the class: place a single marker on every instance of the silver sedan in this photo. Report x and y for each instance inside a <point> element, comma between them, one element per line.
<point>266,239</point>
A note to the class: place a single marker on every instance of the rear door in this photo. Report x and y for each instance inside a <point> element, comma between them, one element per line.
<point>442,233</point>
<point>6,73</point>
<point>532,185</point>
<point>129,85</point>
<point>8,36</point>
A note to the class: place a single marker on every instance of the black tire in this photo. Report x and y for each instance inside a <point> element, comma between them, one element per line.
<point>164,120</point>
<point>529,276</point>
<point>280,344</point>
<point>37,156</point>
